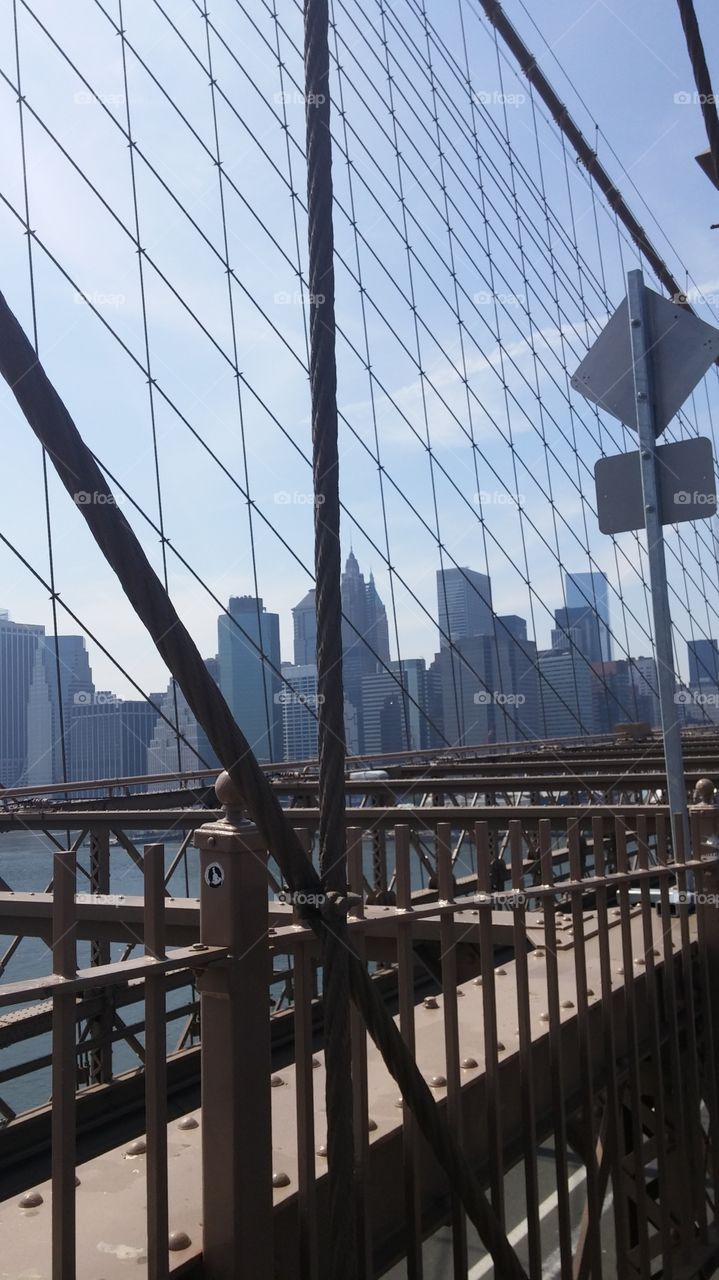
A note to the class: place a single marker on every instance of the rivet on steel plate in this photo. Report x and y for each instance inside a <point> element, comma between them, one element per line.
<point>620,970</point>
<point>544,1017</point>
<point>30,1200</point>
<point>280,1179</point>
<point>322,1151</point>
<point>459,992</point>
<point>639,960</point>
<point>199,946</point>
<point>276,1081</point>
<point>470,1064</point>
<point>590,992</point>
<point>371,1125</point>
<point>178,1240</point>
<point>438,1082</point>
<point>137,1148</point>
<point>538,954</point>
<point>188,1122</point>
<point>316,1062</point>
<point>501,1047</point>
<point>477,982</point>
<point>211,841</point>
<point>501,973</point>
<point>399,1102</point>
<point>430,1002</point>
<point>567,1004</point>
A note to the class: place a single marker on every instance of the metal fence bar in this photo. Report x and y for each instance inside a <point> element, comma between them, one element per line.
<point>448,963</point>
<point>708,947</point>
<point>64,1231</point>
<point>405,978</point>
<point>156,1067</point>
<point>489,1011</point>
<point>553,1015</point>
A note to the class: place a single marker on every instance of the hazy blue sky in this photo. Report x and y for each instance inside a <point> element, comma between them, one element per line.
<point>480,390</point>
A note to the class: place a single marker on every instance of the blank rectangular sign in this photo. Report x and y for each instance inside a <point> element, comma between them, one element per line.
<point>687,488</point>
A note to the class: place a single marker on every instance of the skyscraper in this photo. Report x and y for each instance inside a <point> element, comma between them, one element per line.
<point>50,708</point>
<point>703,662</point>
<point>365,635</point>
<point>18,645</point>
<point>464,605</point>
<point>195,751</point>
<point>590,591</point>
<point>566,695</point>
<point>304,620</point>
<point>394,708</point>
<point>577,632</point>
<point>490,688</point>
<point>248,683</point>
<point>108,737</point>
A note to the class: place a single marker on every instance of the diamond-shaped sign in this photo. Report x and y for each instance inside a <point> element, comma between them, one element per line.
<point>682,349</point>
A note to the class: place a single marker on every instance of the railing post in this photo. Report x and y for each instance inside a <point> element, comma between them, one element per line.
<point>235,1055</point>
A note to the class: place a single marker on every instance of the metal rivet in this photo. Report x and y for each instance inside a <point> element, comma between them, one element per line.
<point>438,1082</point>
<point>276,1081</point>
<point>30,1200</point>
<point>77,1181</point>
<point>322,1151</point>
<point>656,952</point>
<point>137,1148</point>
<point>639,960</point>
<point>500,1047</point>
<point>188,1122</point>
<point>371,1125</point>
<point>178,1240</point>
<point>430,1002</point>
<point>399,1102</point>
<point>501,973</point>
<point>460,993</point>
<point>316,1062</point>
<point>470,1064</point>
<point>538,953</point>
<point>567,1004</point>
<point>620,971</point>
<point>544,1017</point>
<point>198,946</point>
<point>280,1179</point>
<point>211,841</point>
<point>477,982</point>
<point>590,992</point>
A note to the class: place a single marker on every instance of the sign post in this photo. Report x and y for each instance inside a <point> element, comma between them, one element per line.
<point>641,346</point>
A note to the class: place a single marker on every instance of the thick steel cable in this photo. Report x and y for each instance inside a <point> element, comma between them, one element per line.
<point>330,689</point>
<point>702,79</point>
<point>78,471</point>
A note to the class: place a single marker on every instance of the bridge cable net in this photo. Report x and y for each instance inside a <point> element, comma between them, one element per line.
<point>465,297</point>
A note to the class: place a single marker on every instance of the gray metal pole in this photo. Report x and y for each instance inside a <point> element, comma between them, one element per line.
<point>641,345</point>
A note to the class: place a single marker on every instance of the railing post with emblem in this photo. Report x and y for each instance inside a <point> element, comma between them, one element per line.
<point>236,1063</point>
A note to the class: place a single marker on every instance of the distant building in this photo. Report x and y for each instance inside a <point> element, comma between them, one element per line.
<point>566,695</point>
<point>703,662</point>
<point>434,703</point>
<point>615,700</point>
<point>579,632</point>
<point>49,708</point>
<point>464,605</point>
<point>194,748</point>
<point>249,657</point>
<point>644,675</point>
<point>18,645</point>
<point>590,591</point>
<point>297,699</point>
<point>108,737</point>
<point>365,635</point>
<point>394,708</point>
<point>490,687</point>
<point>304,619</point>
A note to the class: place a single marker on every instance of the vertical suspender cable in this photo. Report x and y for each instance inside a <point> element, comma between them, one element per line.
<point>330,697</point>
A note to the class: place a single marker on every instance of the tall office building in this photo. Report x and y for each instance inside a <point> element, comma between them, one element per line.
<point>566,695</point>
<point>577,631</point>
<point>365,635</point>
<point>108,737</point>
<point>434,702</point>
<point>464,605</point>
<point>703,662</point>
<point>590,591</point>
<point>164,753</point>
<point>304,620</point>
<point>490,688</point>
<point>49,708</point>
<point>394,708</point>
<point>644,676</point>
<point>248,683</point>
<point>297,699</point>
<point>18,645</point>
